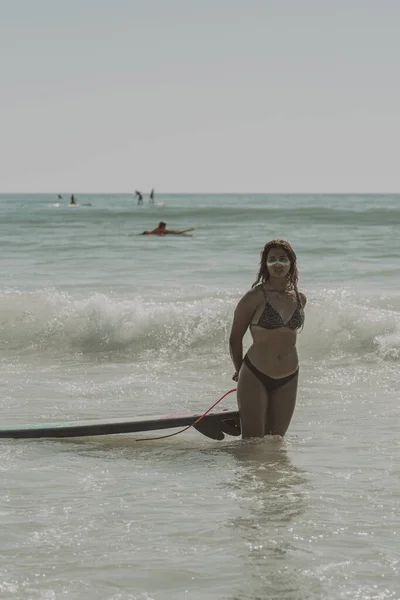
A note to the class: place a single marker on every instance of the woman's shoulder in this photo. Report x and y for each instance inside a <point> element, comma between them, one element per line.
<point>252,295</point>
<point>303,299</point>
<point>257,288</point>
<point>256,291</point>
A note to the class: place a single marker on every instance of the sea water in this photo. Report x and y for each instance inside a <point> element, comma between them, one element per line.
<point>99,322</point>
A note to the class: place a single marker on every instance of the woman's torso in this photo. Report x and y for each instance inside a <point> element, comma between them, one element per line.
<point>274,327</point>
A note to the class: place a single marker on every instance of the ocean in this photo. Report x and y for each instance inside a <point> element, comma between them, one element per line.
<point>99,322</point>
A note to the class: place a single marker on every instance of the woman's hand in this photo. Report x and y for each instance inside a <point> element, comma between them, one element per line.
<point>235,376</point>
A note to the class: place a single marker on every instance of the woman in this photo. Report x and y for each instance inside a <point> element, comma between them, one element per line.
<point>267,376</point>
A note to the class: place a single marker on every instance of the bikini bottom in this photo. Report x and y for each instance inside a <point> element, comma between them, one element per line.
<point>270,383</point>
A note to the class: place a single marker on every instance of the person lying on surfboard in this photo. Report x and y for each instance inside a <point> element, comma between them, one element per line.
<point>162,230</point>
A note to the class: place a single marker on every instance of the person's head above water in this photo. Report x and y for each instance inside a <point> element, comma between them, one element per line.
<point>162,225</point>
<point>278,259</point>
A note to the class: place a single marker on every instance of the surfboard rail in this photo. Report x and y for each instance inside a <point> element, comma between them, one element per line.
<point>213,425</point>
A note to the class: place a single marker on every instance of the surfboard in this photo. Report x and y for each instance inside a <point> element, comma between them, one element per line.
<point>214,425</point>
<point>182,232</point>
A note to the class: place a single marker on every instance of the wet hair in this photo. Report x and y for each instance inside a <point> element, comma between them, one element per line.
<point>263,273</point>
<point>162,224</point>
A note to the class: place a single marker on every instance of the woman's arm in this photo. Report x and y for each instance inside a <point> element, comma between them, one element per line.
<point>243,315</point>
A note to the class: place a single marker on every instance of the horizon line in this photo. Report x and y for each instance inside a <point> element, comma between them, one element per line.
<point>207,193</point>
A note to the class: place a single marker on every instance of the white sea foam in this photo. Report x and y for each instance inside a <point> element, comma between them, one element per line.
<point>337,324</point>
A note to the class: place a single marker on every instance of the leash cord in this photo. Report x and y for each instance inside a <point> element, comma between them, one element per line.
<point>162,437</point>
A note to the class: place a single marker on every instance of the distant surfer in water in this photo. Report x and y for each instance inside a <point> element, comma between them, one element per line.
<point>161,229</point>
<point>151,197</point>
<point>139,198</point>
<point>72,201</point>
<point>267,376</point>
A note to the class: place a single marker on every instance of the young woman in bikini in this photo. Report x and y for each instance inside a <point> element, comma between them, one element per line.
<point>267,376</point>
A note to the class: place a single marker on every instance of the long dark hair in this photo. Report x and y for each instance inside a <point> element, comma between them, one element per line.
<point>263,274</point>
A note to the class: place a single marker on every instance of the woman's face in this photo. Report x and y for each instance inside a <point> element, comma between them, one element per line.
<point>278,263</point>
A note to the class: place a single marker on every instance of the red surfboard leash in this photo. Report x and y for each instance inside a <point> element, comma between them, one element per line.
<point>161,437</point>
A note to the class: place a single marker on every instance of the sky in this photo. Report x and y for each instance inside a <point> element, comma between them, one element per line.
<point>201,96</point>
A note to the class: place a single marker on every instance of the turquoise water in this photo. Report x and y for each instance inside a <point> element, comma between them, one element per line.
<point>99,322</point>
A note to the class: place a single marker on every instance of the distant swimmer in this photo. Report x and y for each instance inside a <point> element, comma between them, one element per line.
<point>59,196</point>
<point>139,198</point>
<point>162,230</point>
<point>151,197</point>
<point>73,201</point>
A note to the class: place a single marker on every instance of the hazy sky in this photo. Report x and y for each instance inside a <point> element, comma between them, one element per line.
<point>200,95</point>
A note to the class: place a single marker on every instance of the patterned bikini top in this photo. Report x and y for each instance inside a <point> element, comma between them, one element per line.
<point>271,319</point>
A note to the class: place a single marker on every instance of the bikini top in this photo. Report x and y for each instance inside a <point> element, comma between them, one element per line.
<point>271,319</point>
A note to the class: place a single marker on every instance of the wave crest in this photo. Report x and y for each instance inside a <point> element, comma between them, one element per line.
<point>50,319</point>
<point>338,324</point>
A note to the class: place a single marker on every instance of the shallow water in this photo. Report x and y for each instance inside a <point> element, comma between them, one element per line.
<point>99,323</point>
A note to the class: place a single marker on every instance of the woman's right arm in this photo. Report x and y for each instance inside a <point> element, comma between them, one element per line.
<point>243,315</point>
